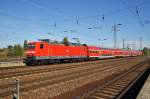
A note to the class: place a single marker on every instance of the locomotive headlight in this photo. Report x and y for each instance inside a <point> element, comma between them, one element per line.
<point>67,50</point>
<point>30,52</point>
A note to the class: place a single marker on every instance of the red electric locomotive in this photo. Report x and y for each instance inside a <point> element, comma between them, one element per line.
<point>44,53</point>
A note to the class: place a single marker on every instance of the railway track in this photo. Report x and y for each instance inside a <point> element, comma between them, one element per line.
<point>57,78</point>
<point>20,67</point>
<point>118,86</point>
<point>34,70</point>
<point>21,71</point>
<point>25,67</point>
<point>38,80</point>
<point>64,74</point>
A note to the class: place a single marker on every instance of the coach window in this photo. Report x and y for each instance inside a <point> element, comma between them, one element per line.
<point>41,46</point>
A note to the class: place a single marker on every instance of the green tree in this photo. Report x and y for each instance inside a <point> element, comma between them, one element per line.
<point>15,50</point>
<point>25,44</point>
<point>18,50</point>
<point>10,51</point>
<point>65,41</point>
<point>145,51</point>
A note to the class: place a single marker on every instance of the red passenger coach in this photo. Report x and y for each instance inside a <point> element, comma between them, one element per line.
<point>118,52</point>
<point>93,52</point>
<point>106,53</point>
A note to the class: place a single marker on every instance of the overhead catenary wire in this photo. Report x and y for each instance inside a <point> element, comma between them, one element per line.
<point>87,17</point>
<point>79,18</point>
<point>137,11</point>
<point>139,20</point>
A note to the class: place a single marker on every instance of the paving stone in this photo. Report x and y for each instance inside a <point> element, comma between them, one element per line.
<point>145,91</point>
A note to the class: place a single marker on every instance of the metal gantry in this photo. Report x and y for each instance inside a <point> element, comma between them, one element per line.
<point>115,29</point>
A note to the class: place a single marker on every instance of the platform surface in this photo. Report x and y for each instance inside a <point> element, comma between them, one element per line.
<point>145,91</point>
<point>11,64</point>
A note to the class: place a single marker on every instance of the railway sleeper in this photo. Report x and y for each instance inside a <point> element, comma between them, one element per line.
<point>94,97</point>
<point>109,92</point>
<point>101,90</point>
<point>103,95</point>
<point>124,80</point>
<point>114,87</point>
<point>111,89</point>
<point>121,84</point>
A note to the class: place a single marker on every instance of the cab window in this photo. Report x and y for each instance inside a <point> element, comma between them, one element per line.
<point>41,46</point>
<point>30,46</point>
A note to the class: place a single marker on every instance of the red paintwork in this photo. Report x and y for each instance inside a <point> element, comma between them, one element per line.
<point>56,50</point>
<point>60,50</point>
<point>93,51</point>
<point>106,52</point>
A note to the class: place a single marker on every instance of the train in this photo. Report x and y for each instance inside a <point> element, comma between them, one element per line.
<point>43,52</point>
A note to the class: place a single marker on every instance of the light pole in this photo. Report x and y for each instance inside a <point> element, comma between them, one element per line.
<point>115,29</point>
<point>141,42</point>
<point>123,43</point>
<point>148,50</point>
<point>102,41</point>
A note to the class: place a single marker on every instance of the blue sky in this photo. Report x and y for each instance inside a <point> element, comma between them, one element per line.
<point>33,19</point>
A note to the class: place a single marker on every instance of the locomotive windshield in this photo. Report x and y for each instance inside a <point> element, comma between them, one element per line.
<point>31,46</point>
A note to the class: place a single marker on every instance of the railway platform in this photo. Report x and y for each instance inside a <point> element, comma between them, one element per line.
<point>145,91</point>
<point>11,64</point>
